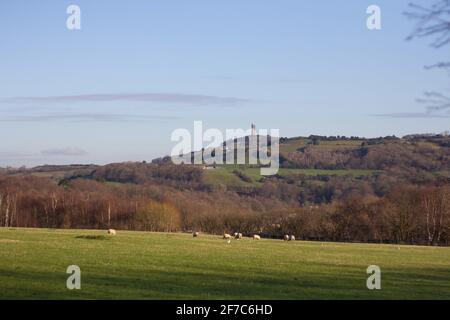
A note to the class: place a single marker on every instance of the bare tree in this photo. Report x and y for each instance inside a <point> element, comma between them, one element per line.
<point>435,101</point>
<point>433,21</point>
<point>436,206</point>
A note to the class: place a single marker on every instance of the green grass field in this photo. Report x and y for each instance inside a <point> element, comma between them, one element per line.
<point>225,175</point>
<point>294,144</point>
<point>137,265</point>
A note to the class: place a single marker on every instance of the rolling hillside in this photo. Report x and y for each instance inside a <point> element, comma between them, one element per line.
<point>327,189</point>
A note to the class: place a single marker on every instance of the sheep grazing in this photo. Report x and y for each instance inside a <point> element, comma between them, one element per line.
<point>292,238</point>
<point>238,236</point>
<point>256,237</point>
<point>226,236</point>
<point>195,234</point>
<point>112,232</point>
<point>286,238</point>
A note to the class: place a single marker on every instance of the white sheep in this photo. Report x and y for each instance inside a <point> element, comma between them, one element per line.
<point>195,234</point>
<point>292,238</point>
<point>238,236</point>
<point>256,237</point>
<point>226,236</point>
<point>112,232</point>
<point>286,237</point>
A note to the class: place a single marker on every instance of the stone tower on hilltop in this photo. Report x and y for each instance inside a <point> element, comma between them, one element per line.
<point>253,129</point>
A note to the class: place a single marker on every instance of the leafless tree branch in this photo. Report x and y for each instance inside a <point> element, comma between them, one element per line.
<point>433,21</point>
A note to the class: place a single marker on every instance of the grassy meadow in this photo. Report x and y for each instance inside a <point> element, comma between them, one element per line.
<point>138,265</point>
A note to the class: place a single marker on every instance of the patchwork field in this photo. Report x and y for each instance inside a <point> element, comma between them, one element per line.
<point>137,265</point>
<point>292,145</point>
<point>224,174</point>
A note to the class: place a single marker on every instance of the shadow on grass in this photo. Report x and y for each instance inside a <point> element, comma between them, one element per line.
<point>156,285</point>
<point>92,237</point>
<point>217,283</point>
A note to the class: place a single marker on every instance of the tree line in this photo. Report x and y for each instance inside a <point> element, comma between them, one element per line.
<point>406,213</point>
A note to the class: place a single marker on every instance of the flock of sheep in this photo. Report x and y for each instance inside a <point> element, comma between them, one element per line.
<point>238,236</point>
<point>226,236</point>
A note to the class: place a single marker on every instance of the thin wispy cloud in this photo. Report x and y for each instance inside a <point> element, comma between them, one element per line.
<point>176,98</point>
<point>15,154</point>
<point>64,152</point>
<point>84,117</point>
<point>411,115</point>
<point>220,77</point>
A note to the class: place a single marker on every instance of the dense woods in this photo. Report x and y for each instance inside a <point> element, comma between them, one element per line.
<point>406,199</point>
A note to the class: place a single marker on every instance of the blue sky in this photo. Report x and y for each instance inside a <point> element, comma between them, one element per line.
<point>137,70</point>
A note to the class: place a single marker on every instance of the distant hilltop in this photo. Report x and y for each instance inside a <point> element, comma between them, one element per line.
<point>426,150</point>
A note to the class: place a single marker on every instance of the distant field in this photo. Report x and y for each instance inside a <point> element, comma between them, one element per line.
<point>55,175</point>
<point>137,265</point>
<point>316,172</point>
<point>226,176</point>
<point>294,144</point>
